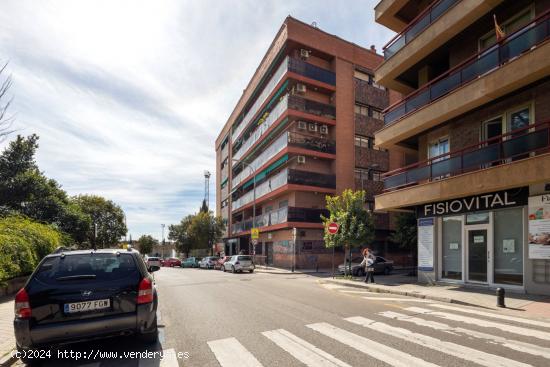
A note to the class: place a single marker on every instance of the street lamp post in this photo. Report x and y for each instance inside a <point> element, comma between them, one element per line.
<point>162,247</point>
<point>253,197</point>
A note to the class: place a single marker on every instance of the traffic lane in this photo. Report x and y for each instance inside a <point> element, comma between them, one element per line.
<point>211,305</point>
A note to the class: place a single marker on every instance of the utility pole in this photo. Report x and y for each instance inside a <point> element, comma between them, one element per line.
<point>162,247</point>
<point>207,188</point>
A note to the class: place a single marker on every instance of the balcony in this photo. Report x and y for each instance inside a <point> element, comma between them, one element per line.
<point>287,139</point>
<point>282,215</point>
<point>430,30</point>
<point>366,157</point>
<point>421,22</point>
<point>288,65</point>
<point>224,192</point>
<point>367,94</point>
<point>518,60</point>
<point>366,125</point>
<point>502,152</point>
<point>371,187</point>
<point>284,177</point>
<point>311,107</point>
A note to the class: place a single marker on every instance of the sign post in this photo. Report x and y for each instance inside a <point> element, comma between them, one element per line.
<point>294,235</point>
<point>333,229</point>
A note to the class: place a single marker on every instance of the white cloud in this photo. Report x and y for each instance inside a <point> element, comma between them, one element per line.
<point>129,96</point>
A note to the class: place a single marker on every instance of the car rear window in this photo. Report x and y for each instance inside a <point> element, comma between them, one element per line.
<point>245,258</point>
<point>96,266</point>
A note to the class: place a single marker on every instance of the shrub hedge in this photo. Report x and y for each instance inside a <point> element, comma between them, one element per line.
<point>23,243</point>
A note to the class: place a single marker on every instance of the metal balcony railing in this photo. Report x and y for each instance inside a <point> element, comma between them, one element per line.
<point>474,67</point>
<point>282,215</point>
<point>417,25</point>
<point>513,146</point>
<point>311,143</point>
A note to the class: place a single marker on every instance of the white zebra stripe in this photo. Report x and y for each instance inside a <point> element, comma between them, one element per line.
<point>453,349</point>
<point>303,351</point>
<point>493,315</point>
<point>391,356</point>
<point>230,353</point>
<point>507,343</point>
<point>482,323</point>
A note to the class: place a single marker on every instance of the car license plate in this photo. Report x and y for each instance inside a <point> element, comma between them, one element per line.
<point>84,306</point>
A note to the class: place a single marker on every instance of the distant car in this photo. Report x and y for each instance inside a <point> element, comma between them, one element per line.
<point>171,262</point>
<point>77,296</point>
<point>220,262</point>
<point>190,262</point>
<point>152,261</point>
<point>208,262</point>
<point>239,263</point>
<point>381,266</point>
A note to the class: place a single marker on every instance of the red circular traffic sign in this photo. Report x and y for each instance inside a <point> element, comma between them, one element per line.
<point>333,228</point>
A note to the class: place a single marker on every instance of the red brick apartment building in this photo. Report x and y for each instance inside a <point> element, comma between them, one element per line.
<point>476,112</point>
<point>304,128</point>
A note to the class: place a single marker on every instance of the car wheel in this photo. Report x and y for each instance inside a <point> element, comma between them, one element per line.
<point>251,270</point>
<point>233,269</point>
<point>387,270</point>
<point>152,337</point>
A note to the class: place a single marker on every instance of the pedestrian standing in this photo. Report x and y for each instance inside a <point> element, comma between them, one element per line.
<point>368,261</point>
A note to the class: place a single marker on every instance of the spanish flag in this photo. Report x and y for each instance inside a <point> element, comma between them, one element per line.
<point>498,31</point>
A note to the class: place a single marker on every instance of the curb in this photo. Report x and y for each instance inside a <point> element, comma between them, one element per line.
<point>289,272</point>
<point>376,289</point>
<point>8,359</point>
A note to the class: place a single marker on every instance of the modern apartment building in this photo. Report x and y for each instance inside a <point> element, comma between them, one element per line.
<point>477,115</point>
<point>302,129</point>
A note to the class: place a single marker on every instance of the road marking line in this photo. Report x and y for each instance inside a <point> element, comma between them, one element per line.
<point>391,356</point>
<point>396,299</point>
<point>169,359</point>
<point>493,315</point>
<point>358,292</point>
<point>511,344</point>
<point>303,351</point>
<point>230,353</point>
<point>453,349</point>
<point>482,323</point>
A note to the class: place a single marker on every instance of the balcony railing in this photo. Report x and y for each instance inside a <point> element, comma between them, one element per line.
<point>417,25</point>
<point>286,176</point>
<point>474,67</point>
<point>312,107</point>
<point>515,145</point>
<point>289,64</point>
<point>282,215</point>
<point>311,143</point>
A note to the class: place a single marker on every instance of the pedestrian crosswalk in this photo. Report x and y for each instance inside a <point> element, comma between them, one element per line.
<point>413,337</point>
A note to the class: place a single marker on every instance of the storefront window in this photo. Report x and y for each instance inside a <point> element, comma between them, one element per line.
<point>452,248</point>
<point>508,246</point>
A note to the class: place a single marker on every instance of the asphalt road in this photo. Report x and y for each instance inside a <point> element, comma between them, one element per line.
<point>213,318</point>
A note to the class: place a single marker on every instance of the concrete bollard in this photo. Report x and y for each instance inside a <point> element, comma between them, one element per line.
<point>500,297</point>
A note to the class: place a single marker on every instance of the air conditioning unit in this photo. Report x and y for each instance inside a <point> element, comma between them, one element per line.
<point>302,125</point>
<point>301,88</point>
<point>323,129</point>
<point>304,53</point>
<point>301,159</point>
<point>312,127</point>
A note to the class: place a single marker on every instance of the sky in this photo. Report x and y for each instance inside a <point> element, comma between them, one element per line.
<point>128,97</point>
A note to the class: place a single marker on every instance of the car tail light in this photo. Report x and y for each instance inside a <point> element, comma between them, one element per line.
<point>145,291</point>
<point>22,306</point>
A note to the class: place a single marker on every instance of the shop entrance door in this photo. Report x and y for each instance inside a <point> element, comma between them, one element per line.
<point>478,255</point>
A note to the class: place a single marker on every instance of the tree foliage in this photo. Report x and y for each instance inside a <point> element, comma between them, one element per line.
<point>198,231</point>
<point>355,221</point>
<point>108,217</point>
<point>180,234</point>
<point>405,231</point>
<point>146,243</point>
<point>23,243</point>
<point>5,120</point>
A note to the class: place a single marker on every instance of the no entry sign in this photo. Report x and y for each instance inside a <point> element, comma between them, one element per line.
<point>333,228</point>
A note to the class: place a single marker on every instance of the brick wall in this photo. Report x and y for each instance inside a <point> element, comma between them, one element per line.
<point>371,187</point>
<point>365,158</point>
<point>366,125</point>
<point>367,94</point>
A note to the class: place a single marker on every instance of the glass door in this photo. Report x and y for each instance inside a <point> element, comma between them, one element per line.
<point>477,255</point>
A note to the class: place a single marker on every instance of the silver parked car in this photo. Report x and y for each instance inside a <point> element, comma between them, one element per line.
<point>208,262</point>
<point>239,263</point>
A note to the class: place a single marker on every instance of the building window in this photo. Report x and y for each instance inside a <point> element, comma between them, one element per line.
<point>361,110</point>
<point>283,204</point>
<point>452,248</point>
<point>361,76</point>
<point>508,26</point>
<point>376,114</point>
<point>508,246</point>
<point>364,141</point>
<point>438,148</point>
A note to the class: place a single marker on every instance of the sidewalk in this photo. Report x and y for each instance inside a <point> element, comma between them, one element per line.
<point>273,270</point>
<point>473,296</point>
<point>7,339</point>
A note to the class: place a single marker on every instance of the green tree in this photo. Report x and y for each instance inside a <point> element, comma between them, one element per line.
<point>146,243</point>
<point>180,234</point>
<point>356,223</point>
<point>204,207</point>
<point>106,215</point>
<point>206,229</point>
<point>406,232</point>
<point>27,191</point>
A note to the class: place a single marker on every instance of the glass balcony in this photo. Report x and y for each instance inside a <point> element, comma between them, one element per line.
<point>311,71</point>
<point>311,143</point>
<point>513,146</point>
<point>282,215</point>
<point>286,176</point>
<point>421,22</point>
<point>474,67</point>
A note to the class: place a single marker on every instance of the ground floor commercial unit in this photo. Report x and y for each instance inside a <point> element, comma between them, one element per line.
<point>492,239</point>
